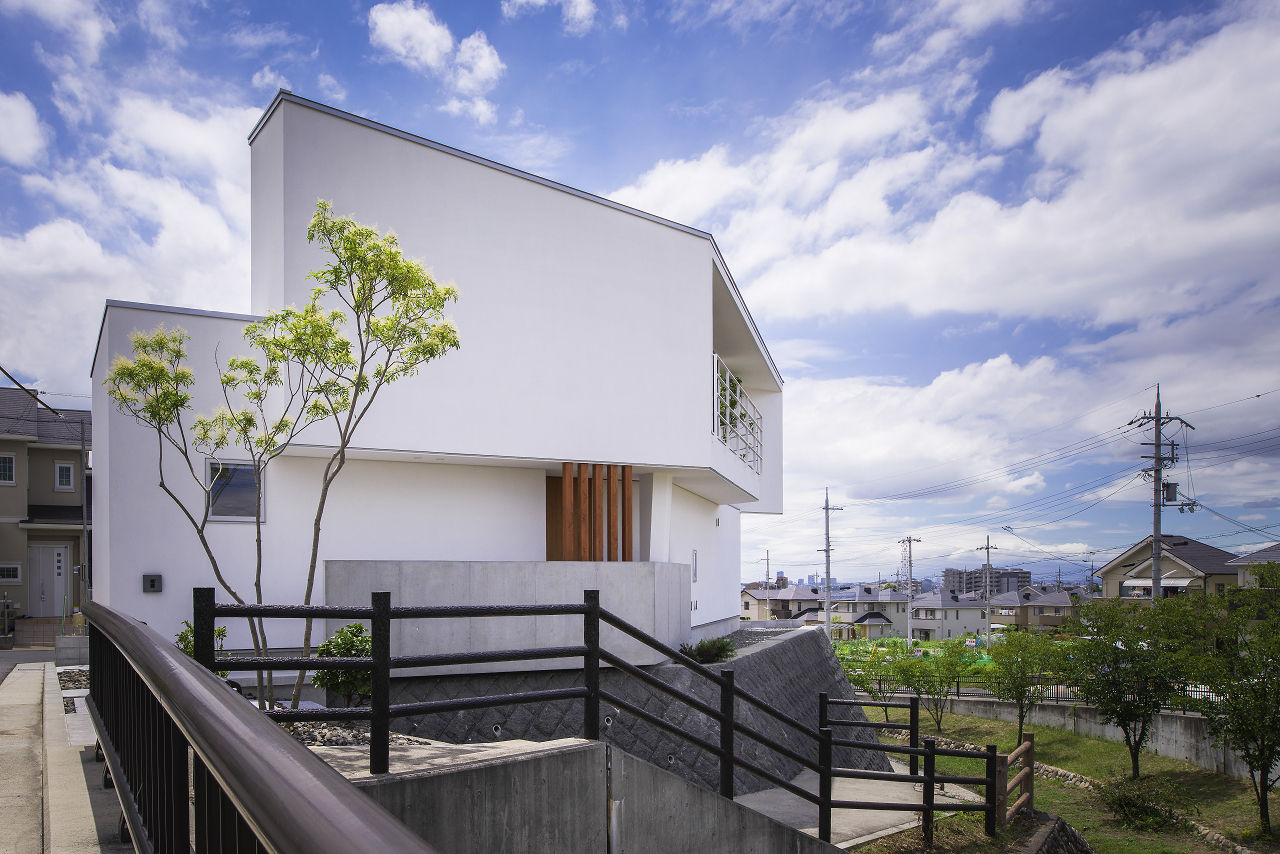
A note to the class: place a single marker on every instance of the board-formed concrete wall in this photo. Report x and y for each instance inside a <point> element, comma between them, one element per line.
<point>582,798</point>
<point>1178,736</point>
<point>787,672</point>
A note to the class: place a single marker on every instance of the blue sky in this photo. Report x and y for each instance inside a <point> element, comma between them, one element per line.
<point>975,233</point>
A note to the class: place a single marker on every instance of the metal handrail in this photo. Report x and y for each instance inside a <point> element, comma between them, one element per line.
<point>290,798</point>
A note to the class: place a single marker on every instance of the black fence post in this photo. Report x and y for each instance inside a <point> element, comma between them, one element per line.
<point>927,816</point>
<point>202,626</point>
<point>915,734</point>
<point>993,797</point>
<point>824,783</point>
<point>380,713</point>
<point>726,734</point>
<point>591,665</point>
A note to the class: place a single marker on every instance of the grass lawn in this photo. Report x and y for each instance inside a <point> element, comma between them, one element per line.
<point>1226,804</point>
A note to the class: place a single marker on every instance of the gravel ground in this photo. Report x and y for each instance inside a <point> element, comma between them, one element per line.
<point>330,733</point>
<point>69,680</point>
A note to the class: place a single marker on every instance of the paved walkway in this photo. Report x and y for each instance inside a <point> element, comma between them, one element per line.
<point>51,793</point>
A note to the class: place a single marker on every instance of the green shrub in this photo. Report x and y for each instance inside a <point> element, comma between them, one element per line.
<point>185,640</point>
<point>709,650</point>
<point>1147,803</point>
<point>347,642</point>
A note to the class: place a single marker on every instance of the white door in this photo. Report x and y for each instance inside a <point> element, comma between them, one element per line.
<point>50,567</point>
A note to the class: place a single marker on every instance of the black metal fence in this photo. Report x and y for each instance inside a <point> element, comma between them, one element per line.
<point>196,768</point>
<point>1057,691</point>
<point>725,714</point>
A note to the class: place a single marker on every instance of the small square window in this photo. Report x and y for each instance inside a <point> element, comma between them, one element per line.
<point>8,469</point>
<point>64,477</point>
<point>10,573</point>
<point>231,491</point>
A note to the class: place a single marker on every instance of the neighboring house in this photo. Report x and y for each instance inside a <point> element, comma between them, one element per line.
<point>42,478</point>
<point>942,614</point>
<point>1186,565</point>
<point>1243,564</point>
<point>597,341</point>
<point>1037,608</point>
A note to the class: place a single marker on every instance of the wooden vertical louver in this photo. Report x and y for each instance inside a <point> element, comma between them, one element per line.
<point>589,513</point>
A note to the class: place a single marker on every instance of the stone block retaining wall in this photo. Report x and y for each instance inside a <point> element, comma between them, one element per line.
<point>787,672</point>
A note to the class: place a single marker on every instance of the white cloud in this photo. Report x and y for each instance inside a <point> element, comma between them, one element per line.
<point>80,20</point>
<point>331,88</point>
<point>252,38</point>
<point>1016,114</point>
<point>156,17</point>
<point>23,139</point>
<point>1138,203</point>
<point>744,14</point>
<point>477,67</point>
<point>411,35</point>
<point>577,16</point>
<point>267,77</point>
<point>479,109</point>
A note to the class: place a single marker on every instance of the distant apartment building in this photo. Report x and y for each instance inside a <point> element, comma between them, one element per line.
<point>986,580</point>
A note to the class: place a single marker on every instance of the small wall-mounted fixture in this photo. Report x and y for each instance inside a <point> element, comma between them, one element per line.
<point>152,582</point>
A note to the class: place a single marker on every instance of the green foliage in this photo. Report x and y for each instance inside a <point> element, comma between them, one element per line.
<point>350,641</point>
<point>933,677</point>
<point>709,650</point>
<point>1017,661</point>
<point>1152,804</point>
<point>1230,645</point>
<point>1125,665</point>
<point>390,323</point>
<point>185,640</point>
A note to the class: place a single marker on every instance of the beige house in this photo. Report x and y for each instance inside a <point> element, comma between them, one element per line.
<point>42,493</point>
<point>1186,566</point>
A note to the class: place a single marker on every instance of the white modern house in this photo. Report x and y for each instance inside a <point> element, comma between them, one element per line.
<point>588,433</point>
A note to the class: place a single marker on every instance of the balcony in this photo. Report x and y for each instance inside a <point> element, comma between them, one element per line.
<point>737,420</point>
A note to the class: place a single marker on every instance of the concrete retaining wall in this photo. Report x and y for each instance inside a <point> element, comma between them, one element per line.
<point>1178,736</point>
<point>586,798</point>
<point>787,672</point>
<point>653,596</point>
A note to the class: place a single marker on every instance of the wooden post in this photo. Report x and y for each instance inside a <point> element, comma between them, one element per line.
<point>1029,761</point>
<point>611,510</point>
<point>627,534</point>
<point>582,521</point>
<point>566,512</point>
<point>597,512</point>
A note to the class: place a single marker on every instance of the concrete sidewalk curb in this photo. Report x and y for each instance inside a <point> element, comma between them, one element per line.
<point>22,757</point>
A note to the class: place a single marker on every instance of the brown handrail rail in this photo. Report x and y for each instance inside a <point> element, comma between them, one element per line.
<point>289,797</point>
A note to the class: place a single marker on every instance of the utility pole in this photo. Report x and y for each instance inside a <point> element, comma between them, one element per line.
<point>826,542</point>
<point>1158,460</point>
<point>908,541</point>
<point>767,612</point>
<point>986,585</point>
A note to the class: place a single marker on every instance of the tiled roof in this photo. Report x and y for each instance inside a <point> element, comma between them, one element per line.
<point>21,416</point>
<point>1266,555</point>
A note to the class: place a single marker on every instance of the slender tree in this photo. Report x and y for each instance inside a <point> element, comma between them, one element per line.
<point>154,388</point>
<point>1018,661</point>
<point>1231,646</point>
<point>391,323</point>
<point>1124,665</point>
<point>268,403</point>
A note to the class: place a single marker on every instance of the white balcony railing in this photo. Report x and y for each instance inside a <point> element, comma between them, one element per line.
<point>737,420</point>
